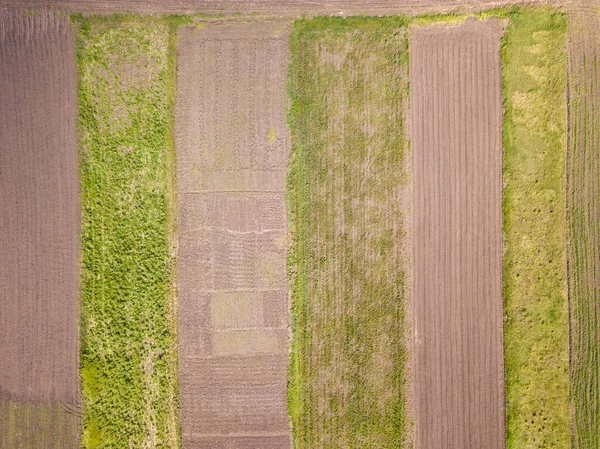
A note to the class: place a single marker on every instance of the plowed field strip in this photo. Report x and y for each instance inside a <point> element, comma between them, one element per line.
<point>584,225</point>
<point>232,150</point>
<point>535,279</point>
<point>287,8</point>
<point>349,191</point>
<point>457,152</point>
<point>39,226</point>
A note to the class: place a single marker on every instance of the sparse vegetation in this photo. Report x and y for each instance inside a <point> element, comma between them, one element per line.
<point>583,171</point>
<point>535,283</point>
<point>41,425</point>
<point>128,330</point>
<point>348,195</point>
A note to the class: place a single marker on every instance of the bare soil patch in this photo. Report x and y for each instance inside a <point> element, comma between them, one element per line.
<point>39,232</point>
<point>457,234</point>
<point>287,8</point>
<point>232,150</point>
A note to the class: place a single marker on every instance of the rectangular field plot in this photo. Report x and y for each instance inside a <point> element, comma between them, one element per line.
<point>128,356</point>
<point>583,174</point>
<point>536,327</point>
<point>457,247</point>
<point>39,231</point>
<point>349,190</point>
<point>232,152</point>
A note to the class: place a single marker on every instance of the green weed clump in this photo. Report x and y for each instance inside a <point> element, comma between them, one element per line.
<point>347,196</point>
<point>535,279</point>
<point>128,322</point>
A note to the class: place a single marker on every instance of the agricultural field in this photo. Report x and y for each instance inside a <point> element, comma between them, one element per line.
<point>349,197</point>
<point>279,8</point>
<point>127,310</point>
<point>583,173</point>
<point>536,330</point>
<point>39,233</point>
<point>243,227</point>
<point>232,151</point>
<point>456,136</point>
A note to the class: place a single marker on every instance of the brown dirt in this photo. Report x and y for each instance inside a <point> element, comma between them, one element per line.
<point>583,196</point>
<point>232,149</point>
<point>39,231</point>
<point>287,8</point>
<point>457,252</point>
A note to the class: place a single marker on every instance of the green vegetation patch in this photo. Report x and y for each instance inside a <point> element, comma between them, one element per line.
<point>128,320</point>
<point>349,198</point>
<point>535,280</point>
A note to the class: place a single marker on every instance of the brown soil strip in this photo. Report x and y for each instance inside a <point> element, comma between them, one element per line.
<point>287,8</point>
<point>232,150</point>
<point>457,253</point>
<point>39,232</point>
<point>583,172</point>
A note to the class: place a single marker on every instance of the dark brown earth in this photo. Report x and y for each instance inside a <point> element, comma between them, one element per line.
<point>583,199</point>
<point>39,233</point>
<point>286,8</point>
<point>232,149</point>
<point>457,254</point>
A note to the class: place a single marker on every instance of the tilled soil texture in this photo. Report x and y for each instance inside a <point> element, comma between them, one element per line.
<point>232,151</point>
<point>287,8</point>
<point>583,172</point>
<point>456,129</point>
<point>349,191</point>
<point>39,232</point>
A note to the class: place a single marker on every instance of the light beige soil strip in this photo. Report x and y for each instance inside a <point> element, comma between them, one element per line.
<point>457,297</point>
<point>232,151</point>
<point>279,8</point>
<point>39,234</point>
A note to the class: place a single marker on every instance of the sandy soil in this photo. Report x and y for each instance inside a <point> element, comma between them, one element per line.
<point>275,7</point>
<point>232,149</point>
<point>457,255</point>
<point>39,224</point>
<point>584,227</point>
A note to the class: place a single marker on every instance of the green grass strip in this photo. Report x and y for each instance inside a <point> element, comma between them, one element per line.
<point>535,283</point>
<point>347,193</point>
<point>128,318</point>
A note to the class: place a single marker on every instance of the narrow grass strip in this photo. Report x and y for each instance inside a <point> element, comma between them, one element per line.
<point>535,279</point>
<point>128,328</point>
<point>348,194</point>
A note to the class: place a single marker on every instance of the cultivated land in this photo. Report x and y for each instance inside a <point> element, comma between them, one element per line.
<point>128,353</point>
<point>456,135</point>
<point>349,197</point>
<point>359,371</point>
<point>232,152</point>
<point>583,173</point>
<point>535,283</point>
<point>39,224</point>
<point>287,8</point>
